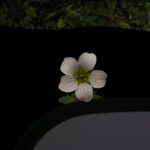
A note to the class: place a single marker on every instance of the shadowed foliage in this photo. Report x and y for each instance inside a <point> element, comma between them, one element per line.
<point>72,14</point>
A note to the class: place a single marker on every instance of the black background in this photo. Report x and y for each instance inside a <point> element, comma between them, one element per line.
<point>32,60</point>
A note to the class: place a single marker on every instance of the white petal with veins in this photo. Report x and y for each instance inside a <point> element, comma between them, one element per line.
<point>69,66</point>
<point>87,61</point>
<point>97,78</point>
<point>68,84</point>
<point>84,92</point>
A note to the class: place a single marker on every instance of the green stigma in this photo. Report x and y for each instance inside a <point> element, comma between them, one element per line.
<point>81,75</point>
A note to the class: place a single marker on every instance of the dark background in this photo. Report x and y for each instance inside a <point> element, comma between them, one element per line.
<point>32,60</point>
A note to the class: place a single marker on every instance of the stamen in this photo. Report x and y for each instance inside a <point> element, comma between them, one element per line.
<point>81,75</point>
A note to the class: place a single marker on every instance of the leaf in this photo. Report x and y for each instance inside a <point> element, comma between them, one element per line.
<point>50,15</point>
<point>25,24</point>
<point>123,4</point>
<point>3,16</point>
<point>96,96</point>
<point>30,12</point>
<point>124,25</point>
<point>28,2</point>
<point>148,5</point>
<point>148,11</point>
<point>51,25</point>
<point>60,24</point>
<point>69,7</point>
<point>70,12</point>
<point>68,99</point>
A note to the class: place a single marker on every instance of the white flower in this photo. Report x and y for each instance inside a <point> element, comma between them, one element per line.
<point>80,78</point>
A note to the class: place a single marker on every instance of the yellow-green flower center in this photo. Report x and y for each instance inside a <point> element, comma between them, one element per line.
<point>82,75</point>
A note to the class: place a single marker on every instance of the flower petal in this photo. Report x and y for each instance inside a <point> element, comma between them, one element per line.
<point>69,66</point>
<point>98,78</point>
<point>68,84</point>
<point>84,92</point>
<point>87,61</point>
